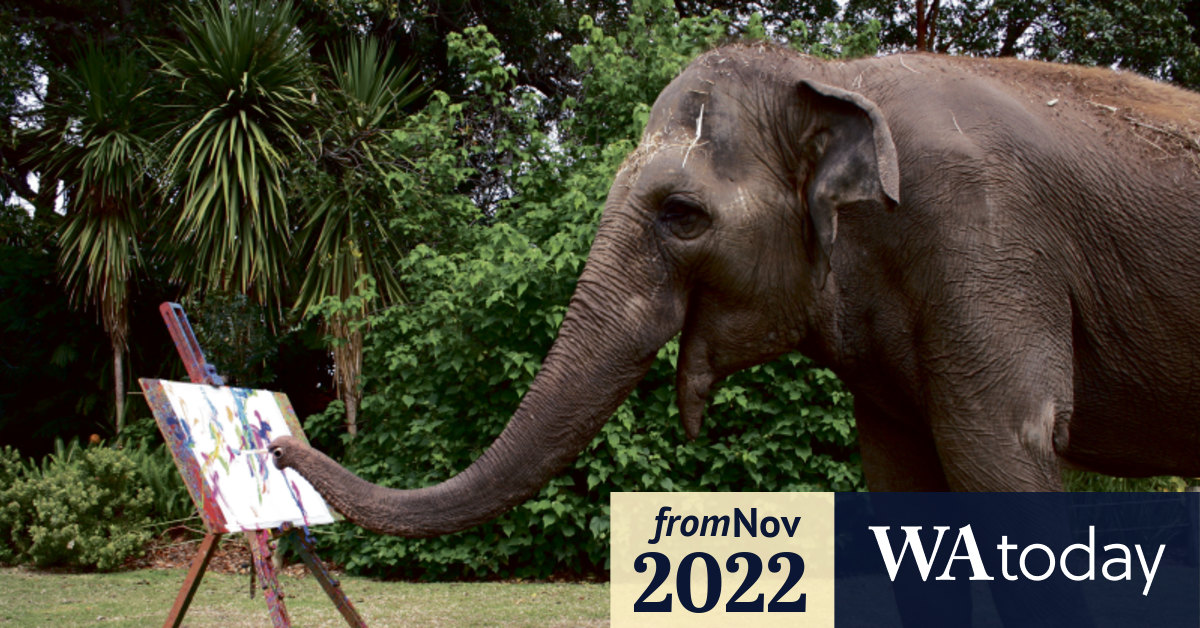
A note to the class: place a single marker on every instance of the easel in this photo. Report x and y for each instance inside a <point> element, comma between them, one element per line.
<point>261,541</point>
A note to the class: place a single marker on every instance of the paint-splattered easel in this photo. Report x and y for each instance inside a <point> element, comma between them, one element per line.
<point>261,541</point>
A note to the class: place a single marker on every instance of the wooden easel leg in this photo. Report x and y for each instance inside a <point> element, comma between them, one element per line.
<point>207,548</point>
<point>332,587</point>
<point>260,549</point>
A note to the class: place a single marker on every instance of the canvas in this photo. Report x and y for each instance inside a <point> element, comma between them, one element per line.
<point>219,437</point>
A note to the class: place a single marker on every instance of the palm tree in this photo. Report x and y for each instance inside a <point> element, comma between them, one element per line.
<point>103,161</point>
<point>244,91</point>
<point>349,253</point>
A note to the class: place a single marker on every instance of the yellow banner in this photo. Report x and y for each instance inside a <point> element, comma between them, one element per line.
<point>714,559</point>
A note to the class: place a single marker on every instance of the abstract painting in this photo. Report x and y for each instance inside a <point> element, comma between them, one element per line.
<point>219,438</point>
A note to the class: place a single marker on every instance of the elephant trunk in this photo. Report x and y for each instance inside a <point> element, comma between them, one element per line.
<point>607,342</point>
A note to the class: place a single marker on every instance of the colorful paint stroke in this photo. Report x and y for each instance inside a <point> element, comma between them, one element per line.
<point>225,433</point>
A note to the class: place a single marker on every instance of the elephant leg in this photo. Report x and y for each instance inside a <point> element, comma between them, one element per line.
<point>1002,438</point>
<point>995,431</point>
<point>999,391</point>
<point>897,455</point>
<point>1010,448</point>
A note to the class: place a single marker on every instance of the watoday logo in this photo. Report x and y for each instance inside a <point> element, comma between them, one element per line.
<point>1014,560</point>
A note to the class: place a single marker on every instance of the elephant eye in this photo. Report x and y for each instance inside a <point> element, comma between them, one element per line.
<point>684,217</point>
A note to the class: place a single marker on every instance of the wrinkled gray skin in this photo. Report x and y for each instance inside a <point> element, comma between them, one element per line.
<point>997,257</point>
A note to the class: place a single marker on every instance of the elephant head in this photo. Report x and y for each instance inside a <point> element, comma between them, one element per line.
<point>720,226</point>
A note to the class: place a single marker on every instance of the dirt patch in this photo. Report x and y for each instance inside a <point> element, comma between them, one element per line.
<point>1163,119</point>
<point>1101,87</point>
<point>178,547</point>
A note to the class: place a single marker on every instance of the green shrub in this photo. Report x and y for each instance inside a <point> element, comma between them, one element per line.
<point>85,508</point>
<point>143,444</point>
<point>89,508</point>
<point>155,467</point>
<point>12,473</point>
<point>138,430</point>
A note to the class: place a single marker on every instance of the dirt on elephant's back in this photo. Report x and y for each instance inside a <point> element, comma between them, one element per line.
<point>1163,119</point>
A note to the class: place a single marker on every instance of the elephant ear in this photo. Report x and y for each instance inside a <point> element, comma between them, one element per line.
<point>857,164</point>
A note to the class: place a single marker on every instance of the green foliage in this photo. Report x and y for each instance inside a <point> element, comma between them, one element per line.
<point>445,370</point>
<point>244,88</point>
<point>1151,37</point>
<point>80,508</point>
<point>155,468</point>
<point>836,40</point>
<point>1155,37</point>
<point>38,43</point>
<point>104,161</point>
<point>632,65</point>
<point>87,508</point>
<point>236,336</point>
<point>368,86</point>
<point>346,203</point>
<point>431,169</point>
<point>345,245</point>
<point>1080,481</point>
<point>12,469</point>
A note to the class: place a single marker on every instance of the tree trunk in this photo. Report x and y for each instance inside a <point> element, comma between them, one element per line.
<point>347,366</point>
<point>927,16</point>
<point>115,317</point>
<point>350,398</point>
<point>119,385</point>
<point>1012,35</point>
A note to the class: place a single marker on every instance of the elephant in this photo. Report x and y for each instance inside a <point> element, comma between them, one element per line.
<point>997,257</point>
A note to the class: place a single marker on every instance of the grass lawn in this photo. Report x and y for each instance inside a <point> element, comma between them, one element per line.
<point>143,598</point>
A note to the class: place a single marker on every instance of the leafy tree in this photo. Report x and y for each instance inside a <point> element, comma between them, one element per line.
<point>252,96</point>
<point>1154,38</point>
<point>350,255</point>
<point>1151,37</point>
<point>535,40</point>
<point>104,162</point>
<point>44,103</point>
<point>39,41</point>
<point>243,91</point>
